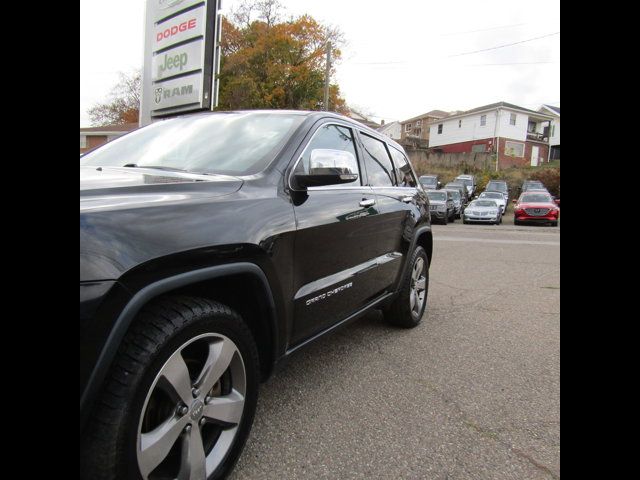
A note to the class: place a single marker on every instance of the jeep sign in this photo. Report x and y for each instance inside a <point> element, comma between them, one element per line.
<point>181,58</point>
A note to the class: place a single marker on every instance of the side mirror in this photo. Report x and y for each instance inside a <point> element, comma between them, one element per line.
<point>328,167</point>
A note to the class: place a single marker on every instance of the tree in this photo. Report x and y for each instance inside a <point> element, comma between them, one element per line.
<point>123,105</point>
<point>269,63</point>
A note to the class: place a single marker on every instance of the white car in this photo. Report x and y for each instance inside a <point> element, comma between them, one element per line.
<point>469,181</point>
<point>482,211</point>
<point>498,197</point>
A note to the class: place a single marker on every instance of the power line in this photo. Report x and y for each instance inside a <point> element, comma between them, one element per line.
<point>513,63</point>
<point>506,45</point>
<point>483,29</point>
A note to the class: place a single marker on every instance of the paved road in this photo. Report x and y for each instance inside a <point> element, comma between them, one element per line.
<point>472,393</point>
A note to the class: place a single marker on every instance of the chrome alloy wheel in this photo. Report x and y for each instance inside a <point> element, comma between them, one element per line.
<point>418,287</point>
<point>192,410</point>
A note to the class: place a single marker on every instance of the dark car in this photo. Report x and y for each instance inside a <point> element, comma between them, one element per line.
<point>461,188</point>
<point>468,181</point>
<point>536,206</point>
<point>212,247</point>
<point>456,196</point>
<point>498,186</point>
<point>430,182</point>
<point>442,206</point>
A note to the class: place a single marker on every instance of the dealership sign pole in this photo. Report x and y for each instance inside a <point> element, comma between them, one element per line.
<point>181,58</point>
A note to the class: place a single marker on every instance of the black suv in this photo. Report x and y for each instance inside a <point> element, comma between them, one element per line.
<point>212,246</point>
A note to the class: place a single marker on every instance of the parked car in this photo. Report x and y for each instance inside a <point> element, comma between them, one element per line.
<point>461,188</point>
<point>498,197</point>
<point>430,182</point>
<point>441,206</point>
<point>214,245</point>
<point>483,211</point>
<point>531,185</point>
<point>457,201</point>
<point>536,207</point>
<point>498,186</point>
<point>468,181</point>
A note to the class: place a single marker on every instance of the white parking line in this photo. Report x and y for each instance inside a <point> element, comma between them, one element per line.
<point>491,240</point>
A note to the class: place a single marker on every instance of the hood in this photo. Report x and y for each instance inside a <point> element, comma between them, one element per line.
<point>112,187</point>
<point>437,202</point>
<point>537,205</point>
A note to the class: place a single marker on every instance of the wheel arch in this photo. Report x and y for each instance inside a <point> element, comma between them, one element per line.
<point>259,314</point>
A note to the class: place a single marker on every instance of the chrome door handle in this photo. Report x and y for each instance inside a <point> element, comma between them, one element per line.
<point>407,199</point>
<point>367,202</point>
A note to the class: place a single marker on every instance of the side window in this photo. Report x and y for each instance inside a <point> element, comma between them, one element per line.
<point>335,137</point>
<point>379,166</point>
<point>404,174</point>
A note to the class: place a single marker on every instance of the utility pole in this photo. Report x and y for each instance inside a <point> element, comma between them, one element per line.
<point>327,73</point>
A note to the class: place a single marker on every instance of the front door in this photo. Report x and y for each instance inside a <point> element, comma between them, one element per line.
<point>534,156</point>
<point>335,261</point>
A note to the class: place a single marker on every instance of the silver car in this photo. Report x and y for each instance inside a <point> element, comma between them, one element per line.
<point>441,206</point>
<point>483,211</point>
<point>498,197</point>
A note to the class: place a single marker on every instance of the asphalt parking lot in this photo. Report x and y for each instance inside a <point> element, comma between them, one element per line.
<point>472,393</point>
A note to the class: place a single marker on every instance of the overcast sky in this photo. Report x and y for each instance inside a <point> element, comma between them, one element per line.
<point>402,57</point>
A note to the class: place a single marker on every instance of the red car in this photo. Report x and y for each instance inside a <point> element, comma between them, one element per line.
<point>538,207</point>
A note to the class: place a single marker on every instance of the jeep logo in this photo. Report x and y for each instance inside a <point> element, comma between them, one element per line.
<point>171,62</point>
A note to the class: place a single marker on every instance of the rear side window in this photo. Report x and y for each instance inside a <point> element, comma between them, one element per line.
<point>404,174</point>
<point>335,137</point>
<point>379,167</point>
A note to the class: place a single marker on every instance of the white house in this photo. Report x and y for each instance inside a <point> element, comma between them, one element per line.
<point>393,130</point>
<point>554,141</point>
<point>518,135</point>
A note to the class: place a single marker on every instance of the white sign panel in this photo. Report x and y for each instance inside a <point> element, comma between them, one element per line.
<point>178,29</point>
<point>166,8</point>
<point>176,61</point>
<point>179,91</point>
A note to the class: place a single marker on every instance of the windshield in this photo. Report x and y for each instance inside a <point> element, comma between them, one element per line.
<point>491,195</point>
<point>438,196</point>
<point>483,203</point>
<point>428,180</point>
<point>465,181</point>
<point>535,198</point>
<point>500,186</point>
<point>224,143</point>
<point>455,194</point>
<point>455,186</point>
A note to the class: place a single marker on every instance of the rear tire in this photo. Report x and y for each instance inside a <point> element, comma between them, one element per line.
<point>176,347</point>
<point>409,306</point>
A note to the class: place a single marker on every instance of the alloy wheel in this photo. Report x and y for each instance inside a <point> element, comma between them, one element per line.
<point>418,287</point>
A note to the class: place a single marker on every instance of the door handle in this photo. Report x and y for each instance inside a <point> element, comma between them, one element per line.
<point>367,202</point>
<point>407,199</point>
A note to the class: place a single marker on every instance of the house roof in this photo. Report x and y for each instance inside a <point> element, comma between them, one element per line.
<point>110,129</point>
<point>386,126</point>
<point>494,106</point>
<point>433,113</point>
<point>555,110</point>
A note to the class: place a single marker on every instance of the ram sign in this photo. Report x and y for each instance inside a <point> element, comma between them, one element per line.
<point>182,58</point>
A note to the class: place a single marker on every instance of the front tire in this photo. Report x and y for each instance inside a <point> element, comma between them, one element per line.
<point>408,308</point>
<point>180,397</point>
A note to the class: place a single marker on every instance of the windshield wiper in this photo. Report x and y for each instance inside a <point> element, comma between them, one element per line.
<point>157,167</point>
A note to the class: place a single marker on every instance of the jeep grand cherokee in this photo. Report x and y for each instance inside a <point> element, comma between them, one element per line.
<point>214,245</point>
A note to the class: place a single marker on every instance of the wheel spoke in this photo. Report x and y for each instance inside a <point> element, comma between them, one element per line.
<point>412,298</point>
<point>156,444</point>
<point>420,284</point>
<point>220,356</point>
<point>193,464</point>
<point>174,378</point>
<point>227,409</point>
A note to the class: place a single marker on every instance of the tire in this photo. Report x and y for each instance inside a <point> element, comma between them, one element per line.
<point>554,224</point>
<point>139,395</point>
<point>453,217</point>
<point>402,312</point>
<point>464,221</point>
<point>445,220</point>
<point>516,222</point>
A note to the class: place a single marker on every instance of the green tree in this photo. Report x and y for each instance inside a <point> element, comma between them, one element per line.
<point>123,104</point>
<point>270,63</point>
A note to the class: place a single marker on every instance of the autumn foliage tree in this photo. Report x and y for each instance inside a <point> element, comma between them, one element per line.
<point>123,103</point>
<point>269,63</point>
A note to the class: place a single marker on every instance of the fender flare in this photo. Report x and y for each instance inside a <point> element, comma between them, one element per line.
<point>146,294</point>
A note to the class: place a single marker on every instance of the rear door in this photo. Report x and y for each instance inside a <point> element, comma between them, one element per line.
<point>336,241</point>
<point>396,189</point>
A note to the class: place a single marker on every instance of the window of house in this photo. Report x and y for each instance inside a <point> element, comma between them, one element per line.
<point>378,163</point>
<point>459,123</point>
<point>419,123</point>
<point>83,141</point>
<point>531,127</point>
<point>418,131</point>
<point>478,148</point>
<point>483,120</point>
<point>335,137</point>
<point>514,149</point>
<point>407,127</point>
<point>512,119</point>
<point>404,174</point>
<point>439,128</point>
